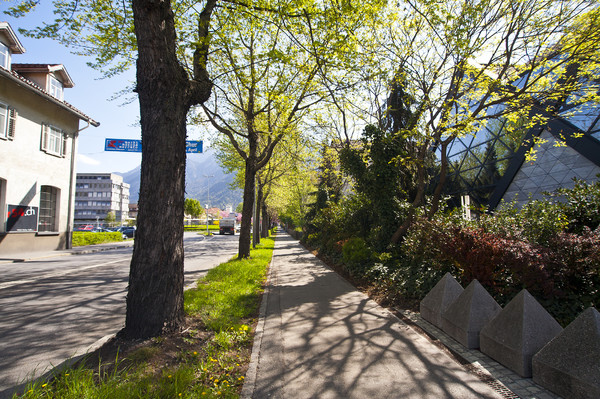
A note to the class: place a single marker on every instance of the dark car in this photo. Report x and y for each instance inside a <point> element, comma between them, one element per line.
<point>128,231</point>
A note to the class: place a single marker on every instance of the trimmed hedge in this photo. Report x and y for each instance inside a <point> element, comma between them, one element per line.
<point>201,227</point>
<point>81,238</point>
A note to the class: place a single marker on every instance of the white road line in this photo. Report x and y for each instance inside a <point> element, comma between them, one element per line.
<point>57,274</point>
<point>10,284</point>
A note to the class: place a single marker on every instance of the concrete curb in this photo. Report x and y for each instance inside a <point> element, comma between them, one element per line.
<point>252,372</point>
<point>52,370</point>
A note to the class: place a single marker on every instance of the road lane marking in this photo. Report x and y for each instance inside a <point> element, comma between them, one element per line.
<point>58,274</point>
<point>10,284</point>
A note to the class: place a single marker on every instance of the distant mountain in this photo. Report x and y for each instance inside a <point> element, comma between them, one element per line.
<point>196,185</point>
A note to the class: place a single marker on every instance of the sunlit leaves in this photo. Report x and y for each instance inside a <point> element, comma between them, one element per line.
<point>101,29</point>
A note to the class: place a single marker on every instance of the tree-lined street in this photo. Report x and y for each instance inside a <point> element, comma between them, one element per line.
<point>54,308</point>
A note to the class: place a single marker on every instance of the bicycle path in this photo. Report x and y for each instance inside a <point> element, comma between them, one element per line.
<point>318,337</point>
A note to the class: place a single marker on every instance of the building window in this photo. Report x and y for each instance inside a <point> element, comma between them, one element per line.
<point>56,88</point>
<point>48,209</point>
<point>8,119</point>
<point>54,140</point>
<point>4,56</point>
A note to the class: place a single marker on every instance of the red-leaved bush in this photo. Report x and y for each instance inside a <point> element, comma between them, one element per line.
<point>564,275</point>
<point>504,266</point>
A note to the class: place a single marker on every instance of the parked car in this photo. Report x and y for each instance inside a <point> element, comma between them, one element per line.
<point>86,227</point>
<point>127,231</point>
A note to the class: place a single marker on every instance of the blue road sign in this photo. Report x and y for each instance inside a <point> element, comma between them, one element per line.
<point>193,146</point>
<point>123,145</point>
<point>128,145</point>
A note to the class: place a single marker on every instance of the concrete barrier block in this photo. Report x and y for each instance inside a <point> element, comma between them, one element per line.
<point>569,365</point>
<point>518,332</point>
<point>439,298</point>
<point>466,316</point>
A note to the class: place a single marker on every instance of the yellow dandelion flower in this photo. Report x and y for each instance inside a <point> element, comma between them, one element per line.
<point>195,353</point>
<point>169,376</point>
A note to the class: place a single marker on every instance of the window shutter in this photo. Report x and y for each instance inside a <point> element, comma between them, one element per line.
<point>65,139</point>
<point>44,137</point>
<point>12,121</point>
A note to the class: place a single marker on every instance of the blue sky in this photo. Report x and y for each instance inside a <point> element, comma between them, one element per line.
<point>92,95</point>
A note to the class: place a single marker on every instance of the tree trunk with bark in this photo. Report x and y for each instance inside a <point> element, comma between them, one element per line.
<point>155,294</point>
<point>266,225</point>
<point>257,216</point>
<point>244,242</point>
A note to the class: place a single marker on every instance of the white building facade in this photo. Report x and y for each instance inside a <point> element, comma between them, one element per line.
<point>97,194</point>
<point>38,145</point>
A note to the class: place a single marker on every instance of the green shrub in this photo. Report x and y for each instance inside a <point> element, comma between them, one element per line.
<point>200,227</point>
<point>356,256</point>
<point>581,205</point>
<point>537,222</point>
<point>81,238</point>
<point>564,274</point>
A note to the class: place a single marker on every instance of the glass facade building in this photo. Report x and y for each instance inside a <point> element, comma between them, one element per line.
<point>490,165</point>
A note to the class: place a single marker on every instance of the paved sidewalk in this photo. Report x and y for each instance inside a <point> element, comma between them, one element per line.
<point>318,337</point>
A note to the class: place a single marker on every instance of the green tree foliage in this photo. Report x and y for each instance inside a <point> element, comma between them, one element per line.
<point>465,63</point>
<point>379,178</point>
<point>331,180</point>
<point>110,218</point>
<point>264,84</point>
<point>113,32</point>
<point>238,209</point>
<point>193,208</point>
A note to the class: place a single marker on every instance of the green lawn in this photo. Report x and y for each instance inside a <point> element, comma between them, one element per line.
<point>207,361</point>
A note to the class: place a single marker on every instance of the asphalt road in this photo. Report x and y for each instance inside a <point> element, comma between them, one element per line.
<point>54,309</point>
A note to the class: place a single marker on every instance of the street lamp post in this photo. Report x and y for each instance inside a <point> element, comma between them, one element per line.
<point>208,198</point>
<point>208,186</point>
<point>206,206</point>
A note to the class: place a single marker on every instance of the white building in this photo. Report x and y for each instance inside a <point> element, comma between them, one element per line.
<point>97,194</point>
<point>38,145</point>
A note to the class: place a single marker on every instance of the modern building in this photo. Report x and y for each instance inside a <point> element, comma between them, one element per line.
<point>38,145</point>
<point>491,166</point>
<point>97,194</point>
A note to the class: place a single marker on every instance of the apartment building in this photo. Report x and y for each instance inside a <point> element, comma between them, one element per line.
<point>38,145</point>
<point>97,194</point>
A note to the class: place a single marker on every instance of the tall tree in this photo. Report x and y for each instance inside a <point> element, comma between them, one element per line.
<point>166,92</point>
<point>264,84</point>
<point>193,208</point>
<point>466,63</point>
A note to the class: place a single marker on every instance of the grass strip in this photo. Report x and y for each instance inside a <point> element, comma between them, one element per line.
<point>208,359</point>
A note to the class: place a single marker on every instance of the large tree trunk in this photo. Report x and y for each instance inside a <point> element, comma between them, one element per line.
<point>244,242</point>
<point>256,225</point>
<point>266,225</point>
<point>155,295</point>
